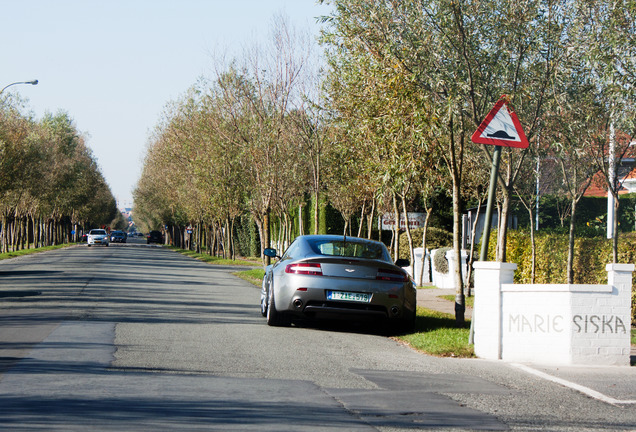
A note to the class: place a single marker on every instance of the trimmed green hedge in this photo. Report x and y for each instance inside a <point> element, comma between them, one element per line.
<point>440,262</point>
<point>590,256</point>
<point>435,238</point>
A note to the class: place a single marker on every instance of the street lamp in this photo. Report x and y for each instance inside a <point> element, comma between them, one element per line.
<point>32,82</point>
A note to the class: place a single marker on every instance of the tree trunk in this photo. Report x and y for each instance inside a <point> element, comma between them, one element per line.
<point>199,235</point>
<point>408,235</point>
<point>396,230</point>
<point>301,228</point>
<point>316,205</point>
<point>370,219</point>
<point>232,249</point>
<point>615,233</point>
<point>570,265</point>
<point>3,234</point>
<point>265,241</point>
<point>502,234</point>
<point>460,299</point>
<point>533,247</point>
<point>364,205</point>
<point>421,276</point>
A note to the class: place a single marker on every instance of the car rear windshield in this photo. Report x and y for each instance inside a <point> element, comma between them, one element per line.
<point>353,249</point>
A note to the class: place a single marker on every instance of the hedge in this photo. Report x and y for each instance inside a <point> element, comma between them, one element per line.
<point>435,238</point>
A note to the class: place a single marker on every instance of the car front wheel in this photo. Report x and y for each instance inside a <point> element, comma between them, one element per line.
<point>264,300</point>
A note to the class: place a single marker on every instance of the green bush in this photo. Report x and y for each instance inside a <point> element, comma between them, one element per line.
<point>439,260</point>
<point>435,238</point>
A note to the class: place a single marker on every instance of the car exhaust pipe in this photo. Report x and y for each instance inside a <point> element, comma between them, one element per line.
<point>298,303</point>
<point>395,310</point>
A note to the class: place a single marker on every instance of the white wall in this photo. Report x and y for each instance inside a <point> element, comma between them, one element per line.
<point>552,324</point>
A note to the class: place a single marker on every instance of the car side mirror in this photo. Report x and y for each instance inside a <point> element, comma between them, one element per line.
<point>270,252</point>
<point>402,262</point>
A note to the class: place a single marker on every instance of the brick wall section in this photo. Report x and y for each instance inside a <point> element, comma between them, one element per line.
<point>552,324</point>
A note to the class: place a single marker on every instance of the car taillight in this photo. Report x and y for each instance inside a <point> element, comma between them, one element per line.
<point>304,269</point>
<point>391,275</point>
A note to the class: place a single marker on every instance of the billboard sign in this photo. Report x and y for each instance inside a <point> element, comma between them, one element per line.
<point>416,220</point>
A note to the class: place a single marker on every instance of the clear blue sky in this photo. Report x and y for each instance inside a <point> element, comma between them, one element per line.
<point>113,65</point>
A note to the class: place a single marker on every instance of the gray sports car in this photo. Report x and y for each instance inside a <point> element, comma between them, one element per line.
<point>328,276</point>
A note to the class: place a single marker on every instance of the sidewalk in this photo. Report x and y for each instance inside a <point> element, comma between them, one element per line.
<point>429,298</point>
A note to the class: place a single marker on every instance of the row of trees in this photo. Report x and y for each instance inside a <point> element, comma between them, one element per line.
<point>242,142</point>
<point>50,183</point>
<point>390,117</point>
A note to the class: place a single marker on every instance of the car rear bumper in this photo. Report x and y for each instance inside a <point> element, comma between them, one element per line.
<point>314,303</point>
<point>339,310</point>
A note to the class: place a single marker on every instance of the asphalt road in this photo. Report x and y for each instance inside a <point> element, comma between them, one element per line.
<point>140,338</point>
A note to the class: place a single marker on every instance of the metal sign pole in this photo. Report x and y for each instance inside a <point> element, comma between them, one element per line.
<point>500,128</point>
<point>485,236</point>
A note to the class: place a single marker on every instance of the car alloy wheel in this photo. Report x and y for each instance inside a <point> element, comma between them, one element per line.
<point>264,300</point>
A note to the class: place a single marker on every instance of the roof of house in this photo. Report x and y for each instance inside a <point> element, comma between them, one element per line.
<point>598,186</point>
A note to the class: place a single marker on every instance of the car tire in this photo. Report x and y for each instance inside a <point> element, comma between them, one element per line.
<point>274,317</point>
<point>407,324</point>
<point>90,245</point>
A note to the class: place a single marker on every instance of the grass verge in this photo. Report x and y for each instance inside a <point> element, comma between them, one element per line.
<point>436,334</point>
<point>470,301</point>
<point>23,252</point>
<point>254,276</point>
<point>216,260</point>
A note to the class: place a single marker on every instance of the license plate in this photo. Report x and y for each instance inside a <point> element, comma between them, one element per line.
<point>349,296</point>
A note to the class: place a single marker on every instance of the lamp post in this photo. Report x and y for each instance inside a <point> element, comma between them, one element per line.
<point>32,82</point>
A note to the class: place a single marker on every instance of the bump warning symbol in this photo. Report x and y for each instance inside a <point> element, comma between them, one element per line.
<point>501,127</point>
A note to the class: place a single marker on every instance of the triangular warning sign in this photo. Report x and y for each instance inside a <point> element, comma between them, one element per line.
<point>501,127</point>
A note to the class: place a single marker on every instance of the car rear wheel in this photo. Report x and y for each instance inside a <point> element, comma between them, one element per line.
<point>407,324</point>
<point>274,317</point>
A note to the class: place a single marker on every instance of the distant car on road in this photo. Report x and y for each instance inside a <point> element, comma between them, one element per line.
<point>118,237</point>
<point>328,276</point>
<point>97,236</point>
<point>155,237</point>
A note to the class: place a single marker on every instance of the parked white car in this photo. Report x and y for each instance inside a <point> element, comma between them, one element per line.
<point>97,236</point>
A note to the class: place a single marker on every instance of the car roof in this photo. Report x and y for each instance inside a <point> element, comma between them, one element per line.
<point>306,249</point>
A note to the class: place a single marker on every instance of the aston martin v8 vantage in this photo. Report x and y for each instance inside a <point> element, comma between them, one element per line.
<point>337,277</point>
